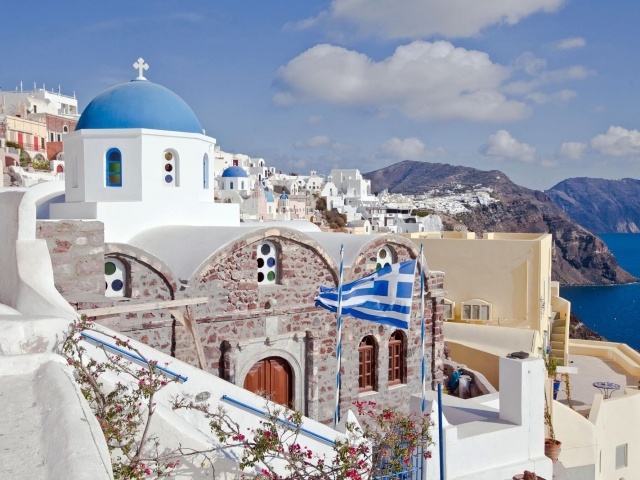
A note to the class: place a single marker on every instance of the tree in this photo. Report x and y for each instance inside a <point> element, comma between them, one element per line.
<point>384,442</point>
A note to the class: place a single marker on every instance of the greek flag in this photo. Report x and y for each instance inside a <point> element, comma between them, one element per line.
<point>383,296</point>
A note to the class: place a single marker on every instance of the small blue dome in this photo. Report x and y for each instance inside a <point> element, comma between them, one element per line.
<point>267,194</point>
<point>139,104</point>
<point>234,172</point>
<point>284,196</point>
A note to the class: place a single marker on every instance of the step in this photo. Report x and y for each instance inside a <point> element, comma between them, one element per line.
<point>557,337</point>
<point>559,354</point>
<point>558,329</point>
<point>557,345</point>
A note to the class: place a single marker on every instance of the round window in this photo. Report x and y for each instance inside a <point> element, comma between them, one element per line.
<point>168,156</point>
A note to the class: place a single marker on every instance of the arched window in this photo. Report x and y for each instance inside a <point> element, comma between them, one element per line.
<point>65,129</point>
<point>367,364</point>
<point>205,171</point>
<point>396,358</point>
<point>114,168</point>
<point>384,258</point>
<point>115,278</point>
<point>171,170</point>
<point>267,264</point>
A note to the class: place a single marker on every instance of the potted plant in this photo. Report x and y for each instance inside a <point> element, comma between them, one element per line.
<point>551,445</point>
<point>552,367</point>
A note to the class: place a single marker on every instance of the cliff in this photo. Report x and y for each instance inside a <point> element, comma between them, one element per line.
<point>579,257</point>
<point>602,206</point>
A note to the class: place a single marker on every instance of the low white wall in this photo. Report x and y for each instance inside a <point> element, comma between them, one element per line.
<point>495,444</point>
<point>71,442</point>
<point>617,423</point>
<point>27,283</point>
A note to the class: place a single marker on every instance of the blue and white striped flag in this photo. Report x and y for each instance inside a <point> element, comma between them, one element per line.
<point>383,296</point>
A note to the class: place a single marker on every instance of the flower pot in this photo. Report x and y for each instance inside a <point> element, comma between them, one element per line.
<point>552,449</point>
<point>556,389</point>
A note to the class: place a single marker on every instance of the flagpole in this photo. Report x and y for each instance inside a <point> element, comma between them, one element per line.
<point>424,372</point>
<point>336,413</point>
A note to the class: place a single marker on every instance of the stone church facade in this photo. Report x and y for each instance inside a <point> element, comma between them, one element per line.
<point>264,336</point>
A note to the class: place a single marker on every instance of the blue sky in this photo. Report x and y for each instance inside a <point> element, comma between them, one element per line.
<point>540,89</point>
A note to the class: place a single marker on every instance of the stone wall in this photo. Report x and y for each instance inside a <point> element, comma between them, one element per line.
<point>244,321</point>
<point>77,254</point>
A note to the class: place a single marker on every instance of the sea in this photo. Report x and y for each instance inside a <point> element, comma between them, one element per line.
<point>612,311</point>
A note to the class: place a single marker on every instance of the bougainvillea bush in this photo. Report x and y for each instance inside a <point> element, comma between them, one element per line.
<point>382,441</point>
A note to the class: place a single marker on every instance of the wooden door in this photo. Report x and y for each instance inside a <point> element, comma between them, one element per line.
<point>271,378</point>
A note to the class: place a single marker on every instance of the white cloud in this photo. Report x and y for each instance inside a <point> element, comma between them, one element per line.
<point>503,146</point>
<point>570,43</point>
<point>410,148</point>
<point>562,96</point>
<point>572,150</point>
<point>422,80</point>
<point>618,141</point>
<point>536,68</point>
<point>313,142</point>
<point>422,18</point>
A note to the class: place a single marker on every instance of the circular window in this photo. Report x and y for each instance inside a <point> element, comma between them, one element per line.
<point>168,156</point>
<point>114,155</point>
<point>267,263</point>
<point>383,254</point>
<point>114,277</point>
<point>168,167</point>
<point>168,179</point>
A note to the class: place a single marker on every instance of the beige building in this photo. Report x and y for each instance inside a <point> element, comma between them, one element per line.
<point>29,134</point>
<point>499,295</point>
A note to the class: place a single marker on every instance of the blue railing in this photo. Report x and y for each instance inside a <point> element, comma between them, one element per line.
<point>131,356</point>
<point>238,403</point>
<point>413,470</point>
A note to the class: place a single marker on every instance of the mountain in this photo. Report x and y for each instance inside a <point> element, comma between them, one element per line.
<point>602,206</point>
<point>580,258</point>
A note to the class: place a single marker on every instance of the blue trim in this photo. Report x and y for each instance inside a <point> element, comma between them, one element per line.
<point>132,356</point>
<point>284,422</point>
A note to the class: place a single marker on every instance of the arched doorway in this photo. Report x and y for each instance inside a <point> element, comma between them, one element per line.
<point>272,378</point>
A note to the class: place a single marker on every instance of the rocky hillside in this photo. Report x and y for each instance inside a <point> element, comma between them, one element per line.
<point>602,206</point>
<point>580,258</point>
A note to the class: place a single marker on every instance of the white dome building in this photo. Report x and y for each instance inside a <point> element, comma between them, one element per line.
<point>139,159</point>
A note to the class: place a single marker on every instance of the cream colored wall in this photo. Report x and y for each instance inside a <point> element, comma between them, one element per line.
<point>479,360</point>
<point>510,271</point>
<point>480,347</point>
<point>17,124</point>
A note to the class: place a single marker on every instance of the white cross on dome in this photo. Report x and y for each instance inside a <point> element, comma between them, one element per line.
<point>141,66</point>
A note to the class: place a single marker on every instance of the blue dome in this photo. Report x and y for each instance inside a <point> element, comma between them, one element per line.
<point>284,196</point>
<point>234,172</point>
<point>139,104</point>
<point>267,194</point>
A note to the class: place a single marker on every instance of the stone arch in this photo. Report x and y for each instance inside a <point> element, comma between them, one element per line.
<point>265,234</point>
<point>364,261</point>
<point>152,262</point>
<point>288,347</point>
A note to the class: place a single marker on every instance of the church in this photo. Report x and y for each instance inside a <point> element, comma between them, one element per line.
<point>138,239</point>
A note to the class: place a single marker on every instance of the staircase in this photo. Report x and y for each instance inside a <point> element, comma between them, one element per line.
<point>559,338</point>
